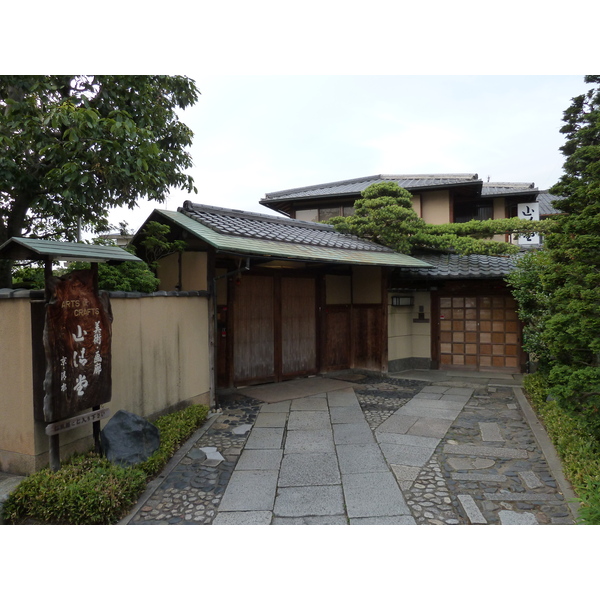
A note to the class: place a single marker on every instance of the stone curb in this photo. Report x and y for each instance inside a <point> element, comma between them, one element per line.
<point>175,460</point>
<point>549,452</point>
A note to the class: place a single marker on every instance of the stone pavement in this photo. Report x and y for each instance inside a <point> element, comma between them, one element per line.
<point>423,447</point>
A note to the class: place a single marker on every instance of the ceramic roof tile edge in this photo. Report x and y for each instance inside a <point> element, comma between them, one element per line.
<point>466,177</point>
<point>10,293</point>
<point>29,248</point>
<point>342,241</point>
<point>472,266</point>
<point>286,250</point>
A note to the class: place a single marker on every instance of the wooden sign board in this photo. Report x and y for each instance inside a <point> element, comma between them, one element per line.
<point>77,421</point>
<point>77,344</point>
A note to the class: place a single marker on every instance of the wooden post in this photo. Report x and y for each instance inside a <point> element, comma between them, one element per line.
<point>54,449</point>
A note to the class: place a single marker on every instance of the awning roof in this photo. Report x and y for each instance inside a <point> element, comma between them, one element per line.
<point>248,245</point>
<point>33,249</point>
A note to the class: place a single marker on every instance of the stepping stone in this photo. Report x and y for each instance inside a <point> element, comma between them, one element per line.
<point>464,464</point>
<point>530,479</point>
<point>474,450</point>
<point>510,517</point>
<point>242,429</point>
<point>473,513</point>
<point>490,432</point>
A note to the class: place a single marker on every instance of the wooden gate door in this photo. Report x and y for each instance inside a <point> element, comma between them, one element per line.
<point>253,330</point>
<point>337,338</point>
<point>479,333</point>
<point>298,327</point>
<point>274,328</point>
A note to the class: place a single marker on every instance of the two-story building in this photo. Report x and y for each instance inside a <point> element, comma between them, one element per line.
<point>458,314</point>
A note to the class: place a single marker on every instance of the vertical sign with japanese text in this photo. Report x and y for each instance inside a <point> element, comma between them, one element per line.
<point>77,343</point>
<point>531,212</point>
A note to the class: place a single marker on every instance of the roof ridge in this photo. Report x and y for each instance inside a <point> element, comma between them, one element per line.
<point>323,185</point>
<point>253,216</point>
<point>467,176</point>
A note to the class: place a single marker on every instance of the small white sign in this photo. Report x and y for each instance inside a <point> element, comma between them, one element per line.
<point>531,212</point>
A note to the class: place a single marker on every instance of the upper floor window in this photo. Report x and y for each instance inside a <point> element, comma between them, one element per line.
<point>479,211</point>
<point>318,215</point>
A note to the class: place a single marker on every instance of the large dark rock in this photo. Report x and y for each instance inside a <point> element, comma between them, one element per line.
<point>128,439</point>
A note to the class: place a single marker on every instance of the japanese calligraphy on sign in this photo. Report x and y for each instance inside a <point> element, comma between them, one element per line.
<point>77,343</point>
<point>531,212</point>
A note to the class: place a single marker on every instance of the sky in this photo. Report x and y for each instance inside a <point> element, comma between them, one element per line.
<point>255,134</point>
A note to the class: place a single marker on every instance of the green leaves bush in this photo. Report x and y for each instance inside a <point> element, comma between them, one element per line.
<point>89,489</point>
<point>575,443</point>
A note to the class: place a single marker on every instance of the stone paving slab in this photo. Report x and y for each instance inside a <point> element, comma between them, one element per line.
<point>474,450</point>
<point>411,456</point>
<point>510,517</point>
<point>430,427</point>
<point>470,507</point>
<point>361,458</point>
<point>307,420</point>
<point>315,500</point>
<point>490,432</point>
<point>271,419</point>
<point>406,440</point>
<point>398,424</point>
<point>309,469</point>
<point>399,520</point>
<point>283,406</point>
<point>373,495</point>
<point>347,414</point>
<point>312,403</point>
<point>260,460</point>
<point>342,398</point>
<point>326,520</point>
<point>318,440</point>
<point>352,433</point>
<point>250,491</point>
<point>244,518</point>
<point>265,438</point>
<point>426,411</point>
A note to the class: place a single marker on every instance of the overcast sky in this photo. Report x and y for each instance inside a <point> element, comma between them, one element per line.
<point>259,134</point>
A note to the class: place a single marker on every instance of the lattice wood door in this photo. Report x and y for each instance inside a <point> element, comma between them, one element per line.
<point>479,333</point>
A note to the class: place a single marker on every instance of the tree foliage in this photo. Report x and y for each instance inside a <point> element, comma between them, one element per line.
<point>384,214</point>
<point>156,243</point>
<point>73,147</point>
<point>564,282</point>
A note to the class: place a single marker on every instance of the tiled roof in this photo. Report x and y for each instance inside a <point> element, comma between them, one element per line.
<point>507,189</point>
<point>33,249</point>
<point>546,201</point>
<point>264,227</point>
<point>355,186</point>
<point>255,234</point>
<point>455,266</point>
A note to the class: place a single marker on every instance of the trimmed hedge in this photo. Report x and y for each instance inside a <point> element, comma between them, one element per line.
<point>576,445</point>
<point>89,489</point>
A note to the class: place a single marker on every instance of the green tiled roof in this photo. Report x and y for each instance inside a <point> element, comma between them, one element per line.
<point>345,249</point>
<point>32,249</point>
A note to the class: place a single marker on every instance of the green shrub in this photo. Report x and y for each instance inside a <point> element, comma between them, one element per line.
<point>575,443</point>
<point>89,489</point>
<point>174,429</point>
